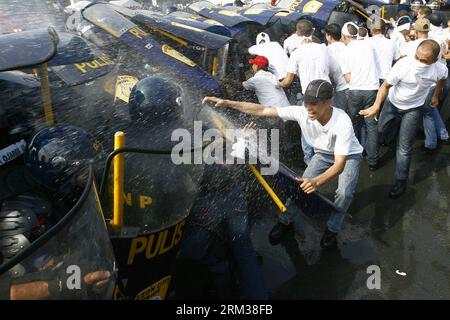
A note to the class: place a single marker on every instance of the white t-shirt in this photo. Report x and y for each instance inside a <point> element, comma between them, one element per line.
<point>410,86</point>
<point>399,40</point>
<point>446,33</point>
<point>273,51</point>
<point>336,54</point>
<point>310,62</point>
<point>409,48</point>
<point>385,52</point>
<point>291,43</point>
<point>336,137</point>
<point>361,63</point>
<point>264,83</point>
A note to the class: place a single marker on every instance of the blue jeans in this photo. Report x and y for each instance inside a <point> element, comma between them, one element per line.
<point>308,151</point>
<point>433,125</point>
<point>211,213</point>
<point>340,100</point>
<point>347,182</point>
<point>364,127</point>
<point>405,122</point>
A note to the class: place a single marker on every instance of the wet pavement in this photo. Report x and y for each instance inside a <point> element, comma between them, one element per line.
<point>408,235</point>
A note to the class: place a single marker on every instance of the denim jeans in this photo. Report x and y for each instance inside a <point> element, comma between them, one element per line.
<point>367,127</point>
<point>340,100</point>
<point>405,122</point>
<point>433,125</point>
<point>227,210</point>
<point>308,151</point>
<point>347,182</point>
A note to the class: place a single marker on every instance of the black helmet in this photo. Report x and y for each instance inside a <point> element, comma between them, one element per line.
<point>58,157</point>
<point>435,19</point>
<point>16,230</point>
<point>155,100</point>
<point>22,220</point>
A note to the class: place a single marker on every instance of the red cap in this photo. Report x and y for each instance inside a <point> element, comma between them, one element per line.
<point>260,61</point>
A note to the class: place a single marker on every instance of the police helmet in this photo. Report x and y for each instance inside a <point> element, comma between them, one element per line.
<point>435,19</point>
<point>23,218</point>
<point>416,4</point>
<point>58,157</point>
<point>155,100</point>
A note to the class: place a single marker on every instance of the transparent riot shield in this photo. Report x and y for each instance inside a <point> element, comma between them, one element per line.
<point>73,260</point>
<point>158,196</point>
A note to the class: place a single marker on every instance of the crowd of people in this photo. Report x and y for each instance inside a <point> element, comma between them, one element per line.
<point>361,89</point>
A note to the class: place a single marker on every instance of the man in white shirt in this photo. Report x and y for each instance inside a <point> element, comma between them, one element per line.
<point>405,89</point>
<point>337,151</point>
<point>336,54</point>
<point>401,32</point>
<point>434,127</point>
<point>309,62</point>
<point>421,28</point>
<point>385,50</point>
<point>264,84</point>
<point>273,51</point>
<point>361,72</point>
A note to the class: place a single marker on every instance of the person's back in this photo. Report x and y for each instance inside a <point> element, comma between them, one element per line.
<point>274,52</point>
<point>385,53</point>
<point>361,64</point>
<point>264,84</point>
<point>336,52</point>
<point>361,71</point>
<point>310,62</point>
<point>291,44</point>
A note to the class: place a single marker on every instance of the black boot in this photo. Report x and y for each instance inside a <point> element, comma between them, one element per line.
<point>397,189</point>
<point>329,239</point>
<point>278,231</point>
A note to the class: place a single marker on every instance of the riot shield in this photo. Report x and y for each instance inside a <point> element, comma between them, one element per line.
<point>158,198</point>
<point>74,258</point>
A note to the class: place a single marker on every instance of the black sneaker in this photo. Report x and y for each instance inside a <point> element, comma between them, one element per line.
<point>374,167</point>
<point>397,189</point>
<point>329,239</point>
<point>278,231</point>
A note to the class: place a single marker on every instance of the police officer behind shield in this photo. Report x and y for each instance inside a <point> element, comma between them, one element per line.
<point>56,160</point>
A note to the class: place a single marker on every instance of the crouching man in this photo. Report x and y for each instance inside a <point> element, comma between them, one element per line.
<point>338,153</point>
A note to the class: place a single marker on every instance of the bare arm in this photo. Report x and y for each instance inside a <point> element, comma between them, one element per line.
<point>435,99</point>
<point>311,185</point>
<point>287,81</point>
<point>253,109</point>
<point>37,290</point>
<point>374,110</point>
<point>347,77</point>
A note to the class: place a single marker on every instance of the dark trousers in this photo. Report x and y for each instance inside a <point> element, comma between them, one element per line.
<point>405,123</point>
<point>366,129</point>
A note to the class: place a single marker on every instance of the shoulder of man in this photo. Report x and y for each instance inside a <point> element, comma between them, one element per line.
<point>440,68</point>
